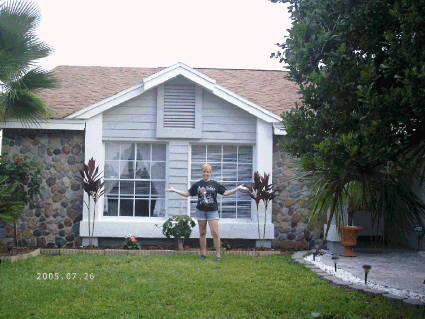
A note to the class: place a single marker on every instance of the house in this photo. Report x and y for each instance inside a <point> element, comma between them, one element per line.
<point>148,128</point>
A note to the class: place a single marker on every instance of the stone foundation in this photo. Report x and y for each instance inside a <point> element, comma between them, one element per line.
<point>52,217</point>
<point>291,229</point>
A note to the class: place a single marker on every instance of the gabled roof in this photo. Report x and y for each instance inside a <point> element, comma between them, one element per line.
<point>86,88</point>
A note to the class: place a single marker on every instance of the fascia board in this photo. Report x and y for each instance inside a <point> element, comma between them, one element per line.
<point>181,66</point>
<point>192,75</point>
<point>109,102</point>
<point>54,124</point>
<point>279,129</point>
<point>244,104</point>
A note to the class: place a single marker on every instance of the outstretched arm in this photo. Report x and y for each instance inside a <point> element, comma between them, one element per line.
<point>182,193</point>
<point>232,191</point>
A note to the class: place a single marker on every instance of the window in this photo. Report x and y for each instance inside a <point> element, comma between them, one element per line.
<point>135,179</point>
<point>231,166</point>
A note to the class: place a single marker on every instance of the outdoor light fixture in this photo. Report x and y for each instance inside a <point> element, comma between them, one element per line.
<point>314,250</point>
<point>335,260</point>
<point>366,269</point>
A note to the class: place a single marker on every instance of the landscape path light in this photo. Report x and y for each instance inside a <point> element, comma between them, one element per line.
<point>366,269</point>
<point>335,260</point>
<point>314,251</point>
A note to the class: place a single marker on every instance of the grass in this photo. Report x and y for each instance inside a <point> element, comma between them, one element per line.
<point>179,286</point>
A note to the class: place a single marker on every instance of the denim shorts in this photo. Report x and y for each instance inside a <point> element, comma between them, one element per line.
<point>201,215</point>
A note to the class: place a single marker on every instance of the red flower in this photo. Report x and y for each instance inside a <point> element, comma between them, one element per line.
<point>18,160</point>
<point>133,239</point>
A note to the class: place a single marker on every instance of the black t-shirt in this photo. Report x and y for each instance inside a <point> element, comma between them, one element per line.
<point>207,194</point>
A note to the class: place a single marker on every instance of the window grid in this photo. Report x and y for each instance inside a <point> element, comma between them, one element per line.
<point>119,179</point>
<point>220,200</point>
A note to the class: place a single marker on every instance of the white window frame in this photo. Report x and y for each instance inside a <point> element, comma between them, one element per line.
<point>253,163</point>
<point>165,198</point>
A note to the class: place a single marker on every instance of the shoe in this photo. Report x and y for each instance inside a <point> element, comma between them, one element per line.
<point>202,257</point>
<point>217,259</point>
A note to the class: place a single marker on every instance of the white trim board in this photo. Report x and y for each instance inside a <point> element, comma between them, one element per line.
<point>161,77</point>
<point>55,124</point>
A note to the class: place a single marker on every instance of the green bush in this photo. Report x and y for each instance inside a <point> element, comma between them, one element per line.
<point>131,243</point>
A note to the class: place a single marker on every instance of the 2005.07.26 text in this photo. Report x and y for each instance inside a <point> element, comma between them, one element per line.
<point>67,276</point>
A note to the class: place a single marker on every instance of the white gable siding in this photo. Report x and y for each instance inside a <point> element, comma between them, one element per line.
<point>224,122</point>
<point>134,119</point>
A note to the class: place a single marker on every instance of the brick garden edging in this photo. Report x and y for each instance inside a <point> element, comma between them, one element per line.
<point>13,259</point>
<point>397,300</point>
<point>123,252</point>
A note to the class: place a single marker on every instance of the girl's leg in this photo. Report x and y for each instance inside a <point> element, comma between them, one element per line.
<point>216,236</point>
<point>203,236</point>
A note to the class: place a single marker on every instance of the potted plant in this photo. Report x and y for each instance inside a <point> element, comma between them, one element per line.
<point>349,233</point>
<point>180,227</point>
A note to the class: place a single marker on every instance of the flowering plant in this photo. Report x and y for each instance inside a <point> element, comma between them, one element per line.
<point>130,242</point>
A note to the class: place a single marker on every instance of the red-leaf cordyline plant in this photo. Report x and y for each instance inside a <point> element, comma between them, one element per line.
<point>92,185</point>
<point>259,190</point>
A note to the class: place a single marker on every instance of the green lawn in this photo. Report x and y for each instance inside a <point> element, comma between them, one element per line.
<point>179,286</point>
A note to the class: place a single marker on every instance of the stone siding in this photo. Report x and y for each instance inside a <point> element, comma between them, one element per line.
<point>290,228</point>
<point>53,217</point>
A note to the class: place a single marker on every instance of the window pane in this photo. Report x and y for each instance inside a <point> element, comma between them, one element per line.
<point>111,187</point>
<point>229,153</point>
<point>127,188</point>
<point>127,170</point>
<point>112,151</point>
<point>158,208</point>
<point>142,170</point>
<point>245,154</point>
<point>216,172</point>
<point>193,208</point>
<point>228,212</point>
<point>142,189</point>
<point>110,207</point>
<point>157,189</point>
<point>196,173</point>
<point>242,196</point>
<point>158,152</point>
<point>126,207</point>
<point>143,152</point>
<point>111,169</point>
<point>142,208</point>
<point>127,151</point>
<point>244,209</point>
<point>158,170</point>
<point>245,173</point>
<point>213,153</point>
<point>199,153</point>
<point>229,172</point>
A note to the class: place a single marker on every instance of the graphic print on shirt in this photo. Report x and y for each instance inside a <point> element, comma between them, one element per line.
<point>205,196</point>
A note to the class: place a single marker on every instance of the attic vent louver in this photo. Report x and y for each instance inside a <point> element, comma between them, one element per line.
<point>179,106</point>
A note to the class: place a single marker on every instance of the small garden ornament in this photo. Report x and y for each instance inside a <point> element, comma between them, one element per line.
<point>180,227</point>
<point>92,185</point>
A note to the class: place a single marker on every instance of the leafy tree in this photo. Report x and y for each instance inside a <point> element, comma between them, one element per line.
<point>20,79</point>
<point>359,129</point>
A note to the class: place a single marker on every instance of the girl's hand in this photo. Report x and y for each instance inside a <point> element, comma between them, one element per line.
<point>171,189</point>
<point>243,188</point>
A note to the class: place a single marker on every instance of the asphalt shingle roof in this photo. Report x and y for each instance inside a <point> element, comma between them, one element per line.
<point>82,86</point>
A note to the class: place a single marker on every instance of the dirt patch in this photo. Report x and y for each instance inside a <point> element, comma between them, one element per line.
<point>4,251</point>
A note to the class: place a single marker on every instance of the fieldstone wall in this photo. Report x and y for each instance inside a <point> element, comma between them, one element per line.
<point>290,230</point>
<point>53,217</point>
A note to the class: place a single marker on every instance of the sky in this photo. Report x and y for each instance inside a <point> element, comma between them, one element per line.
<point>233,34</point>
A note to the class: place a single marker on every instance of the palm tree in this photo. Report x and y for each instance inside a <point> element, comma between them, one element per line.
<point>20,78</point>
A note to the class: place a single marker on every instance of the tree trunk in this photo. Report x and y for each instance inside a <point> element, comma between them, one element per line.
<point>180,241</point>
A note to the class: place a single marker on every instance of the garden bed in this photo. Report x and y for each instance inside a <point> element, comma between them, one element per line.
<point>22,253</point>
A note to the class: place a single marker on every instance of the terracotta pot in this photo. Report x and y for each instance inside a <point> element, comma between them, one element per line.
<point>349,239</point>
